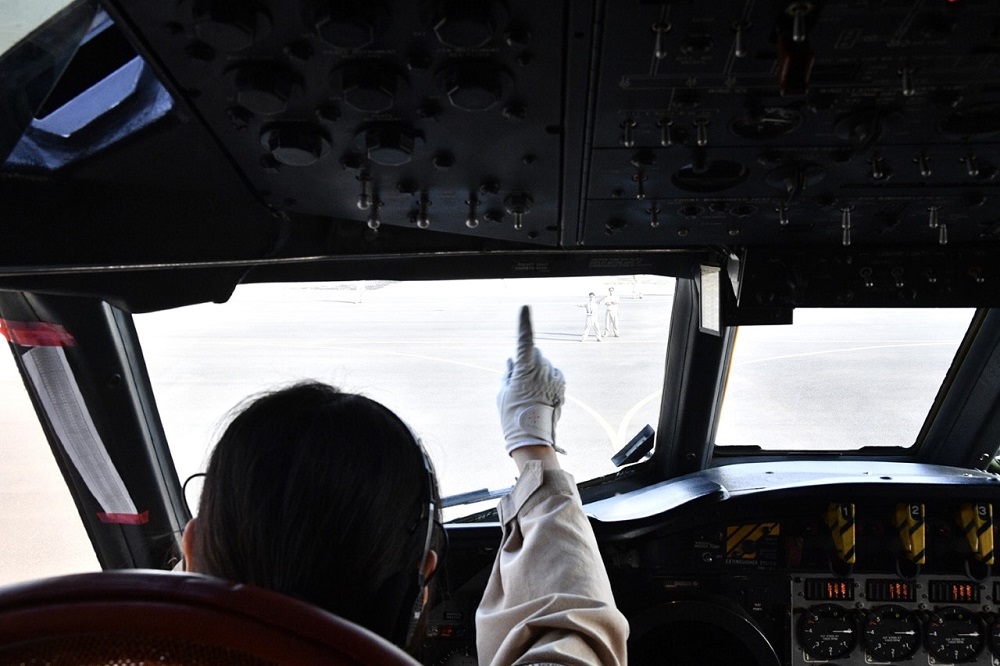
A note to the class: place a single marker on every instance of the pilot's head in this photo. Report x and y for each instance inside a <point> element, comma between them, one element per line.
<point>325,496</point>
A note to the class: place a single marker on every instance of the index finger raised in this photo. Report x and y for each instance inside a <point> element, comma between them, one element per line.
<point>525,337</point>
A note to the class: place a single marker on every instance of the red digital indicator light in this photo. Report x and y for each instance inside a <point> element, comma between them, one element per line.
<point>900,591</point>
<point>838,590</point>
<point>963,592</point>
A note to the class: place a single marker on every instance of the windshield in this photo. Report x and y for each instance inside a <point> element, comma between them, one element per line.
<point>838,379</point>
<point>431,351</point>
<point>20,17</point>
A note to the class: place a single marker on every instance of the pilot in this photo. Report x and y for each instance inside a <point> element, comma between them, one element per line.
<point>325,496</point>
<point>328,497</point>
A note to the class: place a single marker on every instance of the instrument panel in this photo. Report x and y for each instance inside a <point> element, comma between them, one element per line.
<point>926,619</point>
<point>894,569</point>
<point>812,581</point>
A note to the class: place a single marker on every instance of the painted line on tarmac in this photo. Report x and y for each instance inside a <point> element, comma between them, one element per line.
<point>608,430</point>
<point>841,351</point>
<point>623,436</point>
<point>614,437</point>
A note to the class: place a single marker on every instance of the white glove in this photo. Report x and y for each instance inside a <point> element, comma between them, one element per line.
<point>531,394</point>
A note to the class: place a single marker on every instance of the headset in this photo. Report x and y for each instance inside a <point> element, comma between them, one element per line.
<point>410,606</point>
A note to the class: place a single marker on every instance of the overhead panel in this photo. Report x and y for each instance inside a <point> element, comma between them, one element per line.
<point>792,122</point>
<point>443,115</point>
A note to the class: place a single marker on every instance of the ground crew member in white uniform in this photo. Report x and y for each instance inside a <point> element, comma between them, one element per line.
<point>591,309</point>
<point>611,313</point>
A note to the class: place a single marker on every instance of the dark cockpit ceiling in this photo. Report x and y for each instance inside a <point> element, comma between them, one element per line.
<point>846,153</point>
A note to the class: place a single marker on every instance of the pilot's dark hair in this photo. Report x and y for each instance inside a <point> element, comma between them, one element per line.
<point>325,496</point>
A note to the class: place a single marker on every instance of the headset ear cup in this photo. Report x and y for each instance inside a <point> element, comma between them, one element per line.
<point>399,595</point>
<point>416,611</point>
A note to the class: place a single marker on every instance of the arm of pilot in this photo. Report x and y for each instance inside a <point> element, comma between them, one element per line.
<point>548,599</point>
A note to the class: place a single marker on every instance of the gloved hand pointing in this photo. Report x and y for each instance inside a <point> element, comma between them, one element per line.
<point>531,394</point>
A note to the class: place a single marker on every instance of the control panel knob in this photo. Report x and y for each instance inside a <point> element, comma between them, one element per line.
<point>518,204</point>
<point>369,86</point>
<point>475,85</point>
<point>229,25</point>
<point>466,24</point>
<point>295,144</point>
<point>391,145</point>
<point>350,24</point>
<point>265,89</point>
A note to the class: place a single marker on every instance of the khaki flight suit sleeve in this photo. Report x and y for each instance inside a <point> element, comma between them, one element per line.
<point>548,600</point>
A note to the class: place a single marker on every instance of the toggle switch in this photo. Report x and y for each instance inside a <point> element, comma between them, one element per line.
<point>906,80</point>
<point>365,196</point>
<point>628,133</point>
<point>971,163</point>
<point>660,29</point>
<point>423,213</point>
<point>701,131</point>
<point>798,11</point>
<point>932,217</point>
<point>879,169</point>
<point>472,219</point>
<point>374,216</point>
<point>518,204</point>
<point>739,47</point>
<point>640,180</point>
<point>654,215</point>
<point>666,132</point>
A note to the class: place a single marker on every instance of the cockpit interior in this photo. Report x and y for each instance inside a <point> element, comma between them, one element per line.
<point>788,455</point>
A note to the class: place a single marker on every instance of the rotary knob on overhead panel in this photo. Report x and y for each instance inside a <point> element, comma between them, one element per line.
<point>391,144</point>
<point>346,24</point>
<point>229,25</point>
<point>265,89</point>
<point>369,86</point>
<point>466,24</point>
<point>295,144</point>
<point>475,85</point>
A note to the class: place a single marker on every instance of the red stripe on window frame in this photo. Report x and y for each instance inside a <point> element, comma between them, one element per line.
<point>124,518</point>
<point>36,334</point>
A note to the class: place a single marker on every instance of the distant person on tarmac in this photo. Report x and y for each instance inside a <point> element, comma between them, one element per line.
<point>611,313</point>
<point>591,309</point>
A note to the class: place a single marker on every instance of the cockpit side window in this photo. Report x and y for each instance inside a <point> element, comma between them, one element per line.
<point>837,380</point>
